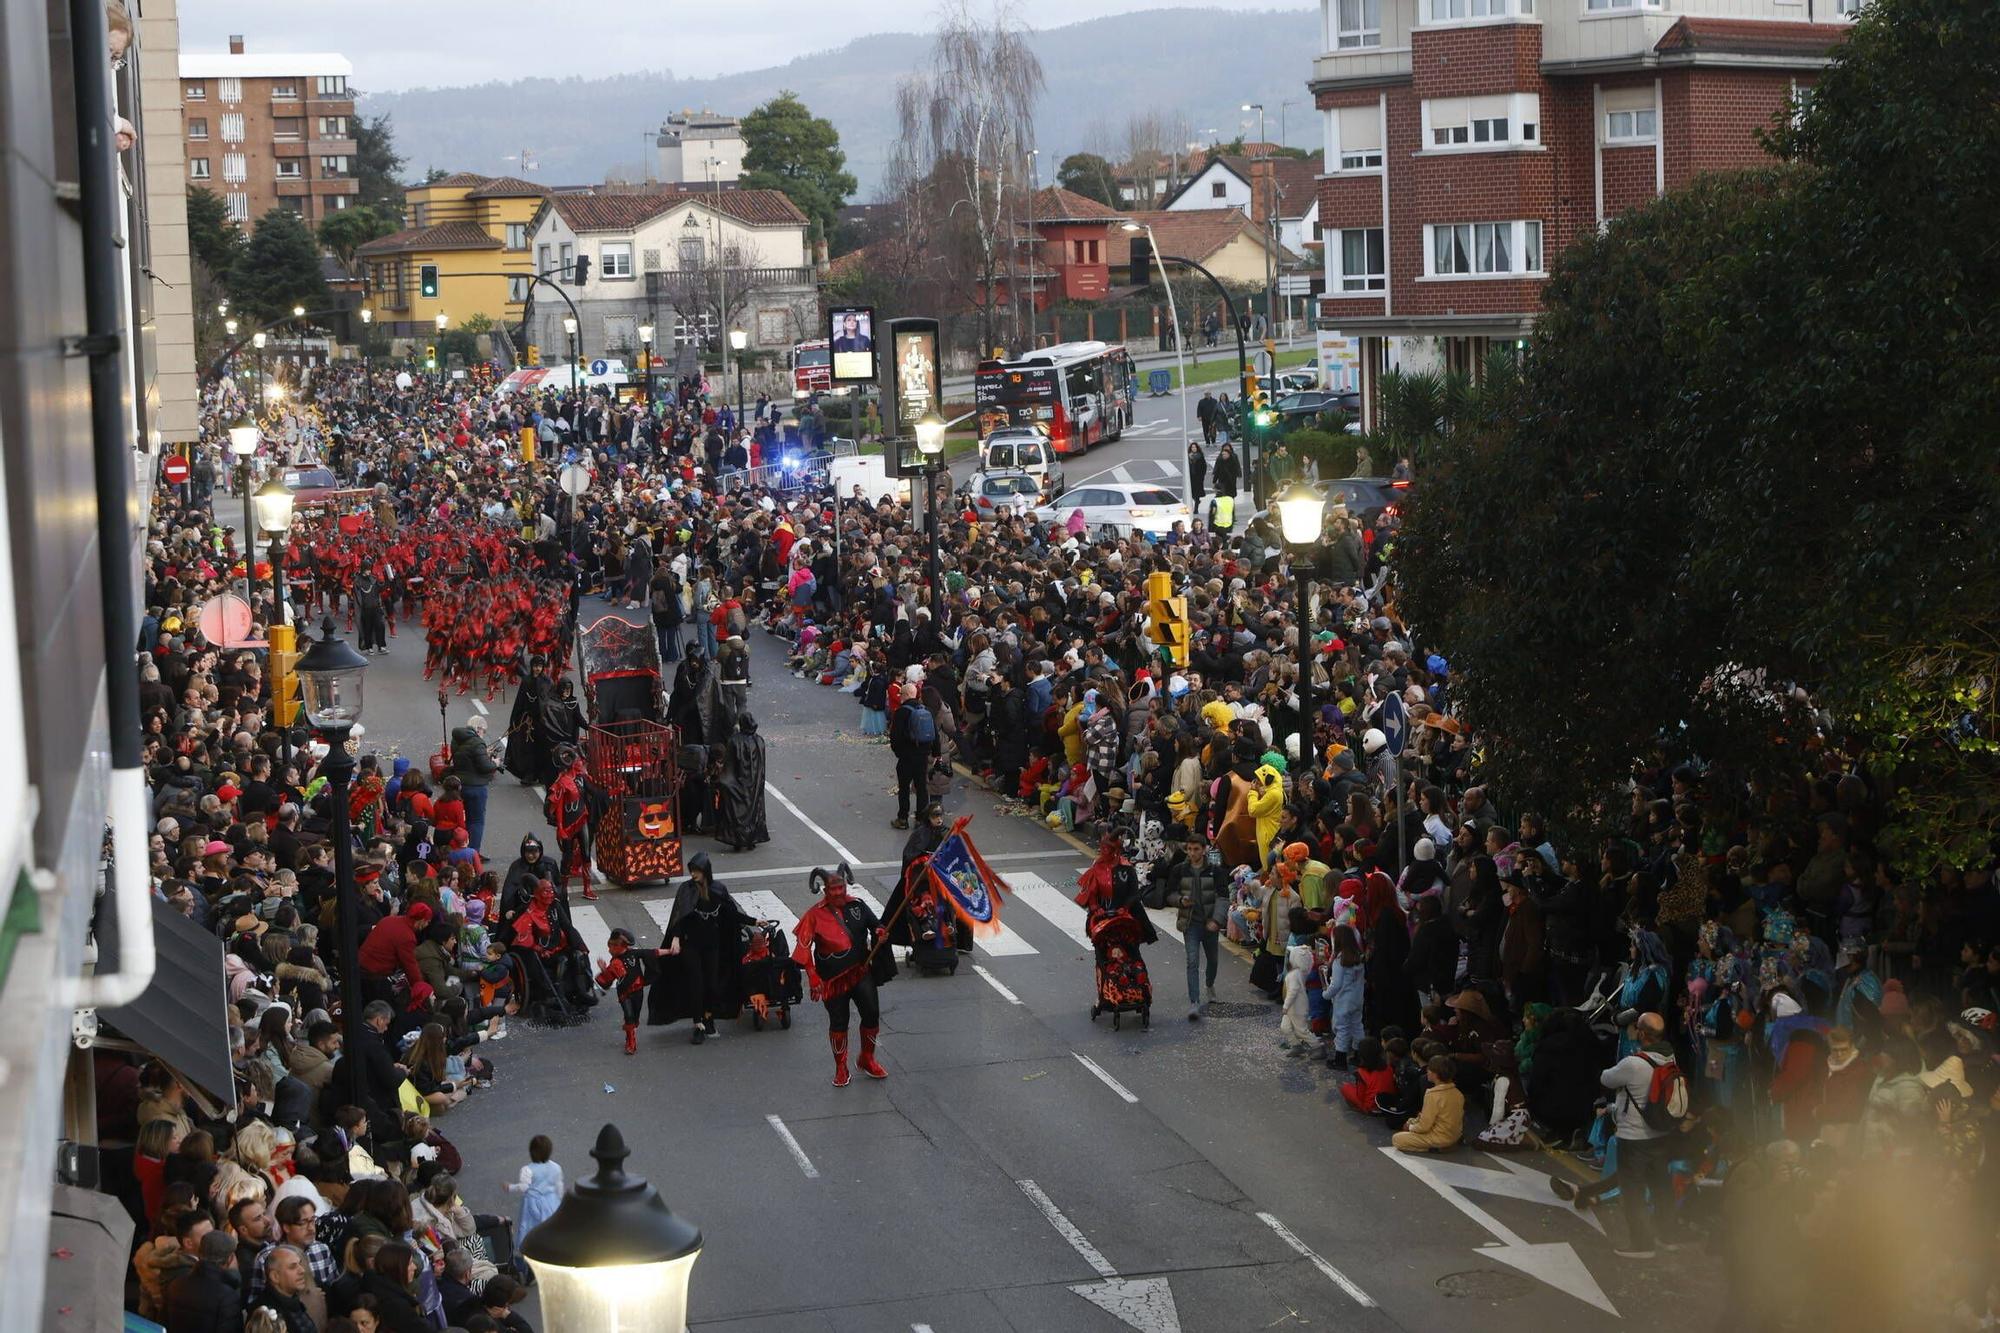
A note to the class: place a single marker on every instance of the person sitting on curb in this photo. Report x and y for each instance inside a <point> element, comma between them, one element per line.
<point>1442,1121</point>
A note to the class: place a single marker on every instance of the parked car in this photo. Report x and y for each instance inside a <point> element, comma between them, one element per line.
<point>1114,508</point>
<point>1298,409</point>
<point>1295,381</point>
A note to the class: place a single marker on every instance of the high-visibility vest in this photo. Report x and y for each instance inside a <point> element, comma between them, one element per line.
<point>1224,514</point>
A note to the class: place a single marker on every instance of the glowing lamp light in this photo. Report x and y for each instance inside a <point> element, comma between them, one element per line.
<point>930,434</point>
<point>739,339</point>
<point>243,436</point>
<point>330,675</point>
<point>1301,513</point>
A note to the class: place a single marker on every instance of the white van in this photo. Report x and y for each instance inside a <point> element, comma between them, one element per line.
<point>871,474</point>
<point>1022,449</point>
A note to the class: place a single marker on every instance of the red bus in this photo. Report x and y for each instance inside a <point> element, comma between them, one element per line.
<point>812,367</point>
<point>1078,394</point>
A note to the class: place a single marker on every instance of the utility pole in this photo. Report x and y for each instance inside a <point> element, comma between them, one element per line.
<point>1269,180</point>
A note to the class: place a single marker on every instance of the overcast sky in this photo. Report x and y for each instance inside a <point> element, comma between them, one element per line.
<point>473,41</point>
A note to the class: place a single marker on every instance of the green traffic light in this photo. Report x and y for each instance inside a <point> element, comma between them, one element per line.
<point>1263,418</point>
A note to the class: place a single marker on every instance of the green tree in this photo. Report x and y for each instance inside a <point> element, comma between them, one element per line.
<point>279,268</point>
<point>378,166</point>
<point>346,231</point>
<point>1800,494</point>
<point>788,148</point>
<point>212,237</point>
<point>1089,175</point>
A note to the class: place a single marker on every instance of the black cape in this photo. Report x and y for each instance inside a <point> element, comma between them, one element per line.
<point>527,759</point>
<point>696,706</point>
<point>740,818</point>
<point>673,985</point>
<point>901,927</point>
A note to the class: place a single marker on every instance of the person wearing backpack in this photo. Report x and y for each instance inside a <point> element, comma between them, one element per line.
<point>913,738</point>
<point>663,594</point>
<point>1649,1105</point>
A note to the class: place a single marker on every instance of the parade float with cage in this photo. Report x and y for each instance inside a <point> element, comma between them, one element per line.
<point>629,753</point>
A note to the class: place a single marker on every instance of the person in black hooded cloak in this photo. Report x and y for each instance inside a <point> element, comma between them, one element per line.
<point>698,974</point>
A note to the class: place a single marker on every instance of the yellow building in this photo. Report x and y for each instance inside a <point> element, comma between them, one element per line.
<point>468,232</point>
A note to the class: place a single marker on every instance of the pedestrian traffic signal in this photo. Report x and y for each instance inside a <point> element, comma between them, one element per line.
<point>1167,617</point>
<point>430,356</point>
<point>534,355</point>
<point>582,270</point>
<point>284,675</point>
<point>427,280</point>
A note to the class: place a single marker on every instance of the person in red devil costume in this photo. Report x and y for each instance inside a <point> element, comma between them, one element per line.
<point>568,811</point>
<point>625,973</point>
<point>834,947</point>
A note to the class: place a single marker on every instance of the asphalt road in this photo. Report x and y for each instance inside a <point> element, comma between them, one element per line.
<point>1023,1167</point>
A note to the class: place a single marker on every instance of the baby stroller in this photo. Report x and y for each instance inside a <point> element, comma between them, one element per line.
<point>772,982</point>
<point>934,928</point>
<point>1123,986</point>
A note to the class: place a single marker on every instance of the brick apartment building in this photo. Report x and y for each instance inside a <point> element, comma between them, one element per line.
<point>270,131</point>
<point>1469,141</point>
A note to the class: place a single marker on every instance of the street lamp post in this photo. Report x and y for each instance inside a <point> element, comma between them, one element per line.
<point>646,365</point>
<point>1180,360</point>
<point>243,437</point>
<point>930,443</point>
<point>1270,208</point>
<point>443,320</point>
<point>257,341</point>
<point>613,1255</point>
<point>273,502</point>
<point>1302,516</point>
<point>330,680</point>
<point>739,340</point>
<point>569,328</point>
<point>367,384</point>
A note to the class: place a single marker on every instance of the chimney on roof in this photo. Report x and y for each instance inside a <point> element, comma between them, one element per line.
<point>236,43</point>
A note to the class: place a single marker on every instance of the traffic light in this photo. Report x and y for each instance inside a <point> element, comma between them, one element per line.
<point>582,270</point>
<point>1256,402</point>
<point>284,677</point>
<point>427,281</point>
<point>430,356</point>
<point>534,355</point>
<point>1167,617</point>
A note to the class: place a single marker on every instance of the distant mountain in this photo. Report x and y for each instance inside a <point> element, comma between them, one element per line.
<point>1202,64</point>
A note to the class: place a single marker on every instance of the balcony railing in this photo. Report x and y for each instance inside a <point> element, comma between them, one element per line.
<point>803,276</point>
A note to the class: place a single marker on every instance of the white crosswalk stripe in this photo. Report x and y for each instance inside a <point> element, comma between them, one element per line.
<point>662,911</point>
<point>1055,906</point>
<point>764,905</point>
<point>1163,921</point>
<point>590,924</point>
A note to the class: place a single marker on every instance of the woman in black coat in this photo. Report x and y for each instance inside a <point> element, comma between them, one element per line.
<point>1228,472</point>
<point>392,1281</point>
<point>1391,996</point>
<point>1432,964</point>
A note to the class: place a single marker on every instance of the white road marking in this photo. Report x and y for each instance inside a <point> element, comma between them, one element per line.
<point>1105,1078</point>
<point>994,982</point>
<point>1163,921</point>
<point>590,924</point>
<point>874,903</point>
<point>479,704</point>
<point>1003,943</point>
<point>662,911</point>
<point>792,1146</point>
<point>541,794</point>
<point>1122,473</point>
<point>1332,1274</point>
<point>1067,1229</point>
<point>1058,907</point>
<point>806,819</point>
<point>764,905</point>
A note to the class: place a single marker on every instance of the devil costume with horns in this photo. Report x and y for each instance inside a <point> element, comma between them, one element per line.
<point>836,949</point>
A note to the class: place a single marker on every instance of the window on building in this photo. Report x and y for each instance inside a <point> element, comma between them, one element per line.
<point>290,168</point>
<point>1470,249</point>
<point>333,127</point>
<point>285,91</point>
<point>1363,265</point>
<point>1357,23</point>
<point>239,206</point>
<point>614,259</point>
<point>649,261</point>
<point>517,290</point>
<point>198,169</point>
<point>229,90</point>
<point>1454,11</point>
<point>567,258</point>
<point>1630,116</point>
<point>1595,5</point>
<point>1499,120</point>
<point>232,127</point>
<point>542,259</point>
<point>198,129</point>
<point>194,90</point>
<point>330,85</point>
<point>517,236</point>
<point>690,253</point>
<point>339,202</point>
<point>334,167</point>
<point>235,167</point>
<point>1218,189</point>
<point>1359,132</point>
<point>1847,6</point>
<point>288,129</point>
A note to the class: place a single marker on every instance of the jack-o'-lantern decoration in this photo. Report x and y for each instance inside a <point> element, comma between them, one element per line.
<point>656,819</point>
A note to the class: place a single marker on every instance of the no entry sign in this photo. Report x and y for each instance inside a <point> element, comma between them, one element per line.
<point>175,469</point>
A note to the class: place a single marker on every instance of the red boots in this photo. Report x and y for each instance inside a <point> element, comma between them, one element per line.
<point>868,1063</point>
<point>631,1039</point>
<point>839,1043</point>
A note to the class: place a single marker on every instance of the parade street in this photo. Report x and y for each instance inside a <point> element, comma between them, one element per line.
<point>1022,1167</point>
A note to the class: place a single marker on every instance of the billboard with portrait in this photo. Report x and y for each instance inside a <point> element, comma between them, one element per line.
<point>851,334</point>
<point>915,385</point>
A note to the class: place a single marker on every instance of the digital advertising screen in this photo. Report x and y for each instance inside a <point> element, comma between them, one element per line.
<point>851,333</point>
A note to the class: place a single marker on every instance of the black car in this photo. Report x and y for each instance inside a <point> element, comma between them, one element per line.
<point>1366,498</point>
<point>1299,409</point>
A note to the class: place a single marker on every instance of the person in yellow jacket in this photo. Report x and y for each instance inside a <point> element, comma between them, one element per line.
<point>1071,732</point>
<point>1441,1122</point>
<point>1265,805</point>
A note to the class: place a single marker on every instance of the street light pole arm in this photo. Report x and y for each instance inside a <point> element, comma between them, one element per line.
<point>1242,352</point>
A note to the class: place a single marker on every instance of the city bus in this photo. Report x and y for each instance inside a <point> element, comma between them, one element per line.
<point>1078,394</point>
<point>812,367</point>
